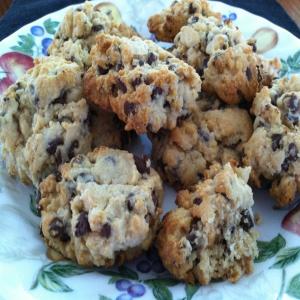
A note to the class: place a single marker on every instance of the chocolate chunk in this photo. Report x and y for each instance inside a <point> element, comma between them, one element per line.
<point>292,152</point>
<point>166,104</point>
<point>156,91</point>
<point>61,99</point>
<point>111,159</point>
<point>151,58</point>
<point>114,90</point>
<point>141,164</point>
<point>97,27</point>
<point>232,229</point>
<point>58,157</point>
<point>121,85</point>
<point>129,201</point>
<point>204,135</point>
<point>105,230</point>
<point>197,201</point>
<point>172,67</point>
<point>102,71</point>
<point>246,221</point>
<point>73,146</point>
<point>57,229</point>
<point>129,108</point>
<point>276,141</point>
<point>136,82</point>
<point>259,76</point>
<point>141,62</point>
<point>200,176</point>
<point>248,74</point>
<point>192,9</point>
<point>264,182</point>
<point>200,71</point>
<point>52,146</point>
<point>82,226</point>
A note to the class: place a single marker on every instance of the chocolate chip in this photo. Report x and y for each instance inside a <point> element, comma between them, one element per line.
<point>114,90</point>
<point>97,27</point>
<point>141,62</point>
<point>197,201</point>
<point>105,230</point>
<point>246,221</point>
<point>58,157</point>
<point>166,104</point>
<point>141,164</point>
<point>192,9</point>
<point>58,176</point>
<point>102,71</point>
<point>264,182</point>
<point>136,82</point>
<point>204,135</point>
<point>276,141</point>
<point>73,146</point>
<point>61,99</point>
<point>232,229</point>
<point>119,67</point>
<point>129,201</point>
<point>254,48</point>
<point>151,58</point>
<point>172,67</point>
<point>194,19</point>
<point>156,91</point>
<point>200,71</point>
<point>292,152</point>
<point>111,159</point>
<point>200,176</point>
<point>129,108</point>
<point>82,226</point>
<point>57,229</point>
<point>285,165</point>
<point>293,103</point>
<point>248,74</point>
<point>121,85</point>
<point>52,146</point>
<point>259,76</point>
<point>155,198</point>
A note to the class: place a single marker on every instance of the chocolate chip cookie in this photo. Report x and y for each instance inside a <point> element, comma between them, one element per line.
<point>215,133</point>
<point>237,74</point>
<point>101,209</point>
<point>201,37</point>
<point>77,32</point>
<point>44,121</point>
<point>167,23</point>
<point>146,86</point>
<point>211,235</point>
<point>273,149</point>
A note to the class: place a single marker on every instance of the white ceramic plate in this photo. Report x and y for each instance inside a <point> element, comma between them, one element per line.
<point>25,271</point>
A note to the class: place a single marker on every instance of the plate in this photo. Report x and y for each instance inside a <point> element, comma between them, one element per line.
<point>26,272</point>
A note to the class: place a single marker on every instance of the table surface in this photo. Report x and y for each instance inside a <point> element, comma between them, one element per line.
<point>290,7</point>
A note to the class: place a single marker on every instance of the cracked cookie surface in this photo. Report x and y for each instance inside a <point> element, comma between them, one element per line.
<point>167,23</point>
<point>210,235</point>
<point>146,86</point>
<point>101,209</point>
<point>273,149</point>
<point>48,121</point>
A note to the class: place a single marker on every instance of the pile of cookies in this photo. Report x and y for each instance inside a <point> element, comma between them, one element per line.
<point>216,116</point>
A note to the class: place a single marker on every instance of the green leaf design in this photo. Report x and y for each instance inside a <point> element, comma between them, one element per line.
<point>128,273</point>
<point>102,297</point>
<point>286,257</point>
<point>34,204</point>
<point>161,292</point>
<point>52,282</point>
<point>191,290</point>
<point>294,287</point>
<point>50,26</point>
<point>294,61</point>
<point>284,68</point>
<point>68,269</point>
<point>25,44</point>
<point>161,281</point>
<point>269,249</point>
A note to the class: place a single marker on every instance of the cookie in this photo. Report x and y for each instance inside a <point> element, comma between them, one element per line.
<point>237,74</point>
<point>167,23</point>
<point>201,37</point>
<point>146,86</point>
<point>215,133</point>
<point>273,149</point>
<point>77,32</point>
<point>101,209</point>
<point>211,235</point>
<point>48,121</point>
